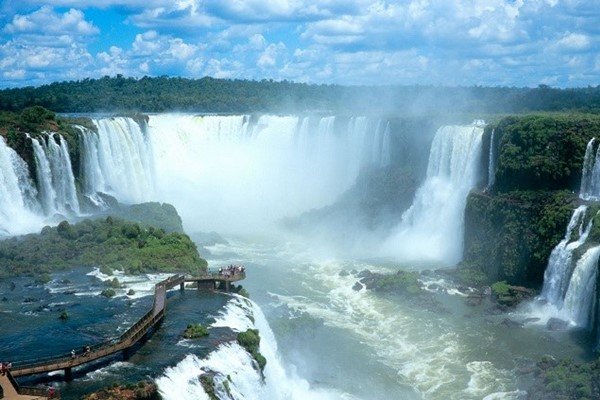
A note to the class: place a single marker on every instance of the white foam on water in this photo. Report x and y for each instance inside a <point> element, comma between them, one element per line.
<point>142,285</point>
<point>113,370</point>
<point>232,364</point>
<point>428,353</point>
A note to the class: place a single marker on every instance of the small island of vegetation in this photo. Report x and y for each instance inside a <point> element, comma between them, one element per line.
<point>109,243</point>
<point>195,331</point>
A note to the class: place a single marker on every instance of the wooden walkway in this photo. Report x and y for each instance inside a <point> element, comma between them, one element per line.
<point>212,280</point>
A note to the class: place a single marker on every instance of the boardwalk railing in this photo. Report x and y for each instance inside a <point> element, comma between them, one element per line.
<point>130,337</point>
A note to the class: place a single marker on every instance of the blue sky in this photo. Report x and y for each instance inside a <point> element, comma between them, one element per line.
<point>439,42</point>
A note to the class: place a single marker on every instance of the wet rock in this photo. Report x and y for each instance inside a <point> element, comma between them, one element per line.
<point>344,273</point>
<point>30,300</point>
<point>530,320</point>
<point>4,299</point>
<point>435,287</point>
<point>556,324</point>
<point>12,286</point>
<point>473,301</point>
<point>511,324</point>
<point>69,292</point>
<point>357,286</point>
<point>365,274</point>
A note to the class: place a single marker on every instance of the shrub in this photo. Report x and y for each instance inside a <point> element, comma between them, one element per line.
<point>195,331</point>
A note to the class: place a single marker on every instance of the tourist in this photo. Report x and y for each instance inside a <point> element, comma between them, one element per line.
<point>50,392</point>
<point>2,369</point>
<point>8,367</point>
<point>73,354</point>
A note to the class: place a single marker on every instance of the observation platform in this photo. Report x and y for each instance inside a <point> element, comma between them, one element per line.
<point>212,280</point>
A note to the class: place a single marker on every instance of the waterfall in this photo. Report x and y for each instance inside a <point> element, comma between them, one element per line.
<point>432,228</point>
<point>492,161</point>
<point>580,299</point>
<point>232,173</point>
<point>117,160</point>
<point>235,376</point>
<point>590,173</point>
<point>16,194</point>
<point>560,263</point>
<point>56,183</point>
<point>570,285</point>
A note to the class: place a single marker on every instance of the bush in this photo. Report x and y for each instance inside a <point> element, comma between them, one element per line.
<point>500,289</point>
<point>111,243</point>
<point>250,340</point>
<point>108,293</point>
<point>195,331</point>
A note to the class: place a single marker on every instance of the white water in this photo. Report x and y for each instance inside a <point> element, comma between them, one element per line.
<point>590,174</point>
<point>432,228</point>
<point>230,362</point>
<point>580,298</point>
<point>56,183</point>
<point>569,289</point>
<point>17,194</point>
<point>560,263</point>
<point>118,160</point>
<point>492,161</point>
<point>232,173</point>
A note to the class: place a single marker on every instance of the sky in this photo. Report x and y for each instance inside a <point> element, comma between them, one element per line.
<point>428,42</point>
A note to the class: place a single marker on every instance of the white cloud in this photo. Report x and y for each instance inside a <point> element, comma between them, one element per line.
<point>47,22</point>
<point>573,42</point>
<point>516,42</point>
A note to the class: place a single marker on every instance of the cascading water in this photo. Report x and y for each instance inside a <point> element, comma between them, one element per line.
<point>492,161</point>
<point>235,373</point>
<point>569,286</point>
<point>56,183</point>
<point>16,194</point>
<point>117,160</point>
<point>560,263</point>
<point>432,228</point>
<point>232,173</point>
<point>580,299</point>
<point>590,174</point>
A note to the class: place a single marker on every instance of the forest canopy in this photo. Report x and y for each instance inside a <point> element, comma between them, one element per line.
<point>158,94</point>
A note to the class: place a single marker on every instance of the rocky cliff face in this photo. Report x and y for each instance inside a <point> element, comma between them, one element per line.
<point>512,226</point>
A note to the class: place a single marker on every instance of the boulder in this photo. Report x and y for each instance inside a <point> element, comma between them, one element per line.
<point>556,324</point>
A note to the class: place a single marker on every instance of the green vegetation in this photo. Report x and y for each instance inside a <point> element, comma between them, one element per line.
<point>158,215</point>
<point>567,380</point>
<point>543,152</point>
<point>510,231</point>
<point>110,292</point>
<point>250,340</point>
<point>114,283</point>
<point>195,331</point>
<point>145,390</point>
<point>35,121</point>
<point>500,289</point>
<point>108,242</point>
<point>509,236</point>
<point>224,95</point>
<point>403,282</point>
<point>208,384</point>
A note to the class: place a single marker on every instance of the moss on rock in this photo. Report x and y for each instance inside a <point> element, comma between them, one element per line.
<point>509,236</point>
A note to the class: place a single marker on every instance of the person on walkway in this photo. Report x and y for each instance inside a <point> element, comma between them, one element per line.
<point>8,366</point>
<point>2,369</point>
<point>73,354</point>
<point>50,392</point>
